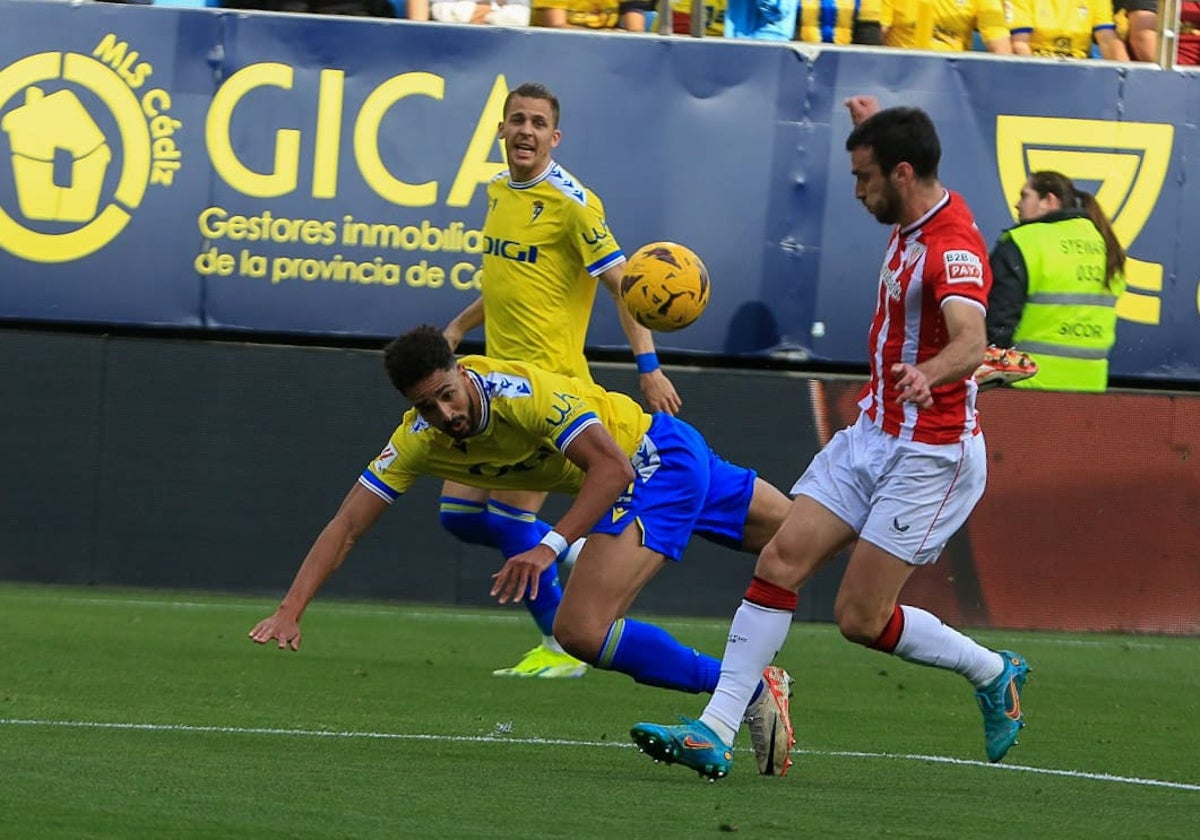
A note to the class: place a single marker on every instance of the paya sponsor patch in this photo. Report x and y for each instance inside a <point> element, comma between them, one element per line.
<point>963,267</point>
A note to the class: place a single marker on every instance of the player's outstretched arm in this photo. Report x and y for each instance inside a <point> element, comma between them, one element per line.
<point>463,323</point>
<point>607,472</point>
<point>357,514</point>
<point>657,389</point>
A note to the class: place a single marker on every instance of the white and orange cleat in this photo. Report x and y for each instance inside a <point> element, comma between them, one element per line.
<point>770,723</point>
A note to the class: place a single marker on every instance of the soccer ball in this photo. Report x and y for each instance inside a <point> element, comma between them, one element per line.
<point>665,287</point>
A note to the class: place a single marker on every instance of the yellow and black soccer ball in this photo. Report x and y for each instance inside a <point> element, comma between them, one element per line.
<point>665,286</point>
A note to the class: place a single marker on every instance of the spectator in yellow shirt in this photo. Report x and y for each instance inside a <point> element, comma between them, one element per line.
<point>591,14</point>
<point>945,25</point>
<point>1065,29</point>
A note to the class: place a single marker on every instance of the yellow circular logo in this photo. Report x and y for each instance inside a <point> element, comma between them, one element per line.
<point>60,156</point>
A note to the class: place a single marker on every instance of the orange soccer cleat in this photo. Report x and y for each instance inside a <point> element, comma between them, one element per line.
<point>1003,367</point>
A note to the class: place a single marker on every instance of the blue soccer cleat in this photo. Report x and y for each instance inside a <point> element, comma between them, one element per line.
<point>691,744</point>
<point>1000,703</point>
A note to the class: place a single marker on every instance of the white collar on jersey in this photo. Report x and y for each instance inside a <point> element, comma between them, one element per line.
<point>536,179</point>
<point>485,404</point>
<point>941,202</point>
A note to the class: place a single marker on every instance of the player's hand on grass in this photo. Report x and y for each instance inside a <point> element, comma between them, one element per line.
<point>912,384</point>
<point>659,392</point>
<point>284,629</point>
<point>520,573</point>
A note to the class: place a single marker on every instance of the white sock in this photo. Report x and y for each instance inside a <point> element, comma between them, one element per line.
<point>551,643</point>
<point>755,636</point>
<point>927,641</point>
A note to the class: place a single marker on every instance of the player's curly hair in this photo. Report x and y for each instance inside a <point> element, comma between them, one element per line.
<point>416,354</point>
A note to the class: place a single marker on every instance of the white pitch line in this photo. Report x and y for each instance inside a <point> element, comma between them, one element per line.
<point>563,742</point>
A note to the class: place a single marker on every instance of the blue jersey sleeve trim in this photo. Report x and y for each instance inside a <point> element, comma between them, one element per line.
<point>373,483</point>
<point>571,432</point>
<point>605,263</point>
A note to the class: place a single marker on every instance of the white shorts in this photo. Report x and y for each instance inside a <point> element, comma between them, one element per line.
<point>907,498</point>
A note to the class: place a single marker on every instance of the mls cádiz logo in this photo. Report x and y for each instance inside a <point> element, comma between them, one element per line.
<point>72,184</point>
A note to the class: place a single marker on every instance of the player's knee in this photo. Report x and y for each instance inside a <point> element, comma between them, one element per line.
<point>858,623</point>
<point>576,638</point>
<point>466,524</point>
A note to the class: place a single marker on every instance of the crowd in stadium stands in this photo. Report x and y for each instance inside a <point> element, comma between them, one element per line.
<point>1118,30</point>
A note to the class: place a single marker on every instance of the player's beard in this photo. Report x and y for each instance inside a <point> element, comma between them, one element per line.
<point>889,207</point>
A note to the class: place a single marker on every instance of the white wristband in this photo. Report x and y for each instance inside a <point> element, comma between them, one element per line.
<point>556,542</point>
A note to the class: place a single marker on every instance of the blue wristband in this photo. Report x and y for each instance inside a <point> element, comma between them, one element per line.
<point>646,362</point>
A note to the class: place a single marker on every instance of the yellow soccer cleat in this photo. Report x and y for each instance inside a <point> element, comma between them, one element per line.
<point>547,664</point>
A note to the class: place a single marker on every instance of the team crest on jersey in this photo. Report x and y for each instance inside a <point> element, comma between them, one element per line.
<point>963,267</point>
<point>538,207</point>
<point>385,458</point>
<point>899,263</point>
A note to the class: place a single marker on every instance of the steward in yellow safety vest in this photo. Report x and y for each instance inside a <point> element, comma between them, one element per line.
<point>1056,277</point>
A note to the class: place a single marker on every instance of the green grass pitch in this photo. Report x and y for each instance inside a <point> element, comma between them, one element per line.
<point>137,713</point>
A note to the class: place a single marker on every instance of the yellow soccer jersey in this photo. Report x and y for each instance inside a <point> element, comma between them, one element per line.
<point>545,241</point>
<point>947,25</point>
<point>1061,28</point>
<point>528,417</point>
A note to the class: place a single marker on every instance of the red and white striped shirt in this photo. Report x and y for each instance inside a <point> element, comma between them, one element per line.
<point>939,257</point>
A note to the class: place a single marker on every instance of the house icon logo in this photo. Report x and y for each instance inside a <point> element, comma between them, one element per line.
<point>50,133</point>
<point>71,189</point>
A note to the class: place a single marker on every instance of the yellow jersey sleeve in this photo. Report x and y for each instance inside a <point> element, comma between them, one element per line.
<point>869,11</point>
<point>886,14</point>
<point>1101,14</point>
<point>990,21</point>
<point>393,470</point>
<point>1020,15</point>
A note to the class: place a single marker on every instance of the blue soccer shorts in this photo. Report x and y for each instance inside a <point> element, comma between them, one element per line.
<point>682,487</point>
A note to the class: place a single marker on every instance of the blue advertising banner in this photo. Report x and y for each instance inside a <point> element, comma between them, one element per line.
<point>305,175</point>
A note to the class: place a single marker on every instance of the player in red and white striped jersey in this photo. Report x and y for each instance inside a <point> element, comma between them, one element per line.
<point>900,481</point>
<point>936,261</point>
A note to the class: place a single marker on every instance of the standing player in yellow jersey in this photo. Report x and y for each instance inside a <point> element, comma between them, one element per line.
<point>546,243</point>
<point>642,485</point>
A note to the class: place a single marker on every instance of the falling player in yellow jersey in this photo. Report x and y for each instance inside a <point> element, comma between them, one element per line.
<point>642,485</point>
<point>546,243</point>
